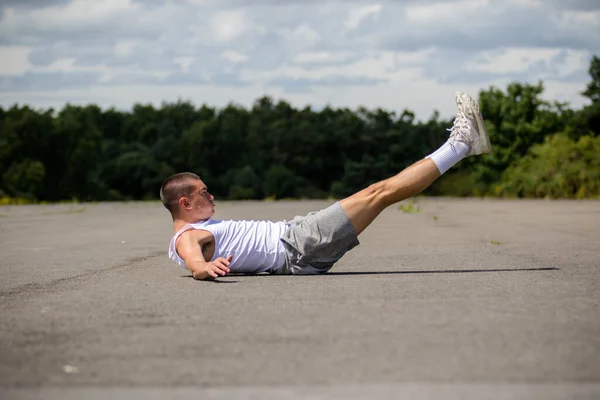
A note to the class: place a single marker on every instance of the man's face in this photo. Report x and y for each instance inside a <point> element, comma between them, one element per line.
<point>200,204</point>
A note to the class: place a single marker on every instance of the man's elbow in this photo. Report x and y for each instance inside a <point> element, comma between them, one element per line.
<point>198,273</point>
<point>200,276</point>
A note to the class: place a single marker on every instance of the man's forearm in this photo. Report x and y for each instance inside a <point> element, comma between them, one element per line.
<point>203,270</point>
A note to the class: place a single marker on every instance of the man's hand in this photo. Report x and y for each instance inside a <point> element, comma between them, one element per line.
<point>218,267</point>
<point>211,270</point>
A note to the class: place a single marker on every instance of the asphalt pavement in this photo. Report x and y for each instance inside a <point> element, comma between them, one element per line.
<point>444,298</point>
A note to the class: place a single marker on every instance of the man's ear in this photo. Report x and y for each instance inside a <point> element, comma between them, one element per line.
<point>184,202</point>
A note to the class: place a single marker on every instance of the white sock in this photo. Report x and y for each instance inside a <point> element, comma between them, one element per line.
<point>448,155</point>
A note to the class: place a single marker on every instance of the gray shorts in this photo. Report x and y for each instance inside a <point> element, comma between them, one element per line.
<point>316,241</point>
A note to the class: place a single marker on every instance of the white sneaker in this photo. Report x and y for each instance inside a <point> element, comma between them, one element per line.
<point>469,127</point>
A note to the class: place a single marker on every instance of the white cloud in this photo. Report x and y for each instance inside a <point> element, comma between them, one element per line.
<point>201,2</point>
<point>184,62</point>
<point>563,92</point>
<point>526,3</point>
<point>84,11</point>
<point>413,57</point>
<point>576,60</point>
<point>323,57</point>
<point>125,47</point>
<point>376,66</point>
<point>230,25</point>
<point>234,56</point>
<point>388,96</point>
<point>542,60</point>
<point>14,59</point>
<point>450,13</point>
<point>77,14</point>
<point>302,36</point>
<point>357,15</point>
<point>63,64</point>
<point>511,60</point>
<point>585,18</point>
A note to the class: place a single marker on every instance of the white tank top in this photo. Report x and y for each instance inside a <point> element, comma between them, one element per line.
<point>254,245</point>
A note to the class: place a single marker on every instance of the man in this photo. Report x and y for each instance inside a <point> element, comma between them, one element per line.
<point>311,244</point>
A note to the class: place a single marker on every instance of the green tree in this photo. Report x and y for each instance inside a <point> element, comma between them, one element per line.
<point>243,184</point>
<point>276,150</point>
<point>587,120</point>
<point>137,175</point>
<point>592,90</point>
<point>558,168</point>
<point>515,121</point>
<point>76,149</point>
<point>358,175</point>
<point>280,183</point>
<point>25,179</point>
<point>25,140</point>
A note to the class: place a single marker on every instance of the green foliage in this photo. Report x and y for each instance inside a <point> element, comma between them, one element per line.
<point>274,150</point>
<point>243,184</point>
<point>558,168</point>
<point>515,121</point>
<point>593,88</point>
<point>457,184</point>
<point>410,207</point>
<point>280,183</point>
<point>25,178</point>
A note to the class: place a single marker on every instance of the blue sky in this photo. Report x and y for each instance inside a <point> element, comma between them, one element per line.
<point>392,54</point>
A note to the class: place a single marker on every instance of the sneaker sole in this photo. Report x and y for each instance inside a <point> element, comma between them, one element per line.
<point>483,135</point>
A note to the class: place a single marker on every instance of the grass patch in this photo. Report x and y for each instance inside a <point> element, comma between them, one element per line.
<point>17,201</point>
<point>495,242</point>
<point>5,201</point>
<point>412,207</point>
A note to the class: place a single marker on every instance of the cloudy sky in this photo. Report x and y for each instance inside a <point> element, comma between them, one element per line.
<point>391,54</point>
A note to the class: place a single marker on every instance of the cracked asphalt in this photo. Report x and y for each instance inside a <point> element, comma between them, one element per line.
<point>461,298</point>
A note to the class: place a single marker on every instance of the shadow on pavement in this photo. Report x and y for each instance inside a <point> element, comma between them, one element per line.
<point>214,280</point>
<point>440,271</point>
<point>341,273</point>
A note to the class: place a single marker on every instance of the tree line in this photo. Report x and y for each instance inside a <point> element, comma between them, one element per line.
<point>273,150</point>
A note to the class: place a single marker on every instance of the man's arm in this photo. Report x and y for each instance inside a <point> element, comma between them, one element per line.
<point>189,246</point>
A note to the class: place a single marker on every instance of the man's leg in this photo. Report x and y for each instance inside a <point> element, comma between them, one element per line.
<point>363,207</point>
<point>468,137</point>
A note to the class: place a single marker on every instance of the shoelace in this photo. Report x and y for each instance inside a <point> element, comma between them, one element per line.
<point>460,105</point>
<point>460,128</point>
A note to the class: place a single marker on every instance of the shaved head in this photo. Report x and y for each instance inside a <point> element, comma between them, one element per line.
<point>176,187</point>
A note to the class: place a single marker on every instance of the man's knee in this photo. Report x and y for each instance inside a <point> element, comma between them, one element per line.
<point>377,194</point>
<point>372,199</point>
